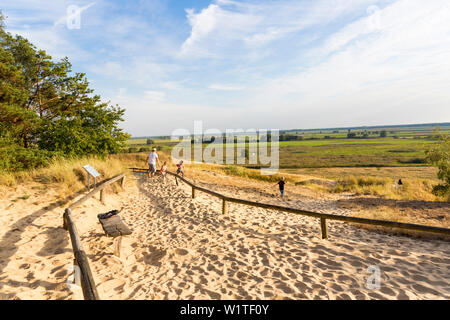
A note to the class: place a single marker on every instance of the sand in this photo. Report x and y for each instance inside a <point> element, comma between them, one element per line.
<point>183,248</point>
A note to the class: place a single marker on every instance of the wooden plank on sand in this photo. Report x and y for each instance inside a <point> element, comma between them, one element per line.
<point>115,227</point>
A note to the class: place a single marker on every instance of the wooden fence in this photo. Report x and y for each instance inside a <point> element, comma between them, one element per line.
<point>81,260</point>
<point>323,217</point>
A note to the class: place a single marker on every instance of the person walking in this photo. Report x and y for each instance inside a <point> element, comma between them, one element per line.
<point>164,171</point>
<point>180,168</point>
<point>281,185</point>
<point>152,161</point>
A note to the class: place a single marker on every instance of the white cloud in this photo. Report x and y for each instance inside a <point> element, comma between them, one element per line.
<point>154,96</point>
<point>222,87</point>
<point>397,73</point>
<point>230,25</point>
<point>215,21</point>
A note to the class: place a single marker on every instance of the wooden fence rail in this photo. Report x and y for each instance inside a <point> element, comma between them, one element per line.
<point>323,217</point>
<point>81,260</point>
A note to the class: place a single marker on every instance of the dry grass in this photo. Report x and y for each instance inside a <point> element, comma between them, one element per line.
<point>70,177</point>
<point>393,173</point>
<point>138,160</point>
<point>67,174</point>
<point>418,182</point>
<point>384,187</point>
<point>405,216</point>
<point>412,189</point>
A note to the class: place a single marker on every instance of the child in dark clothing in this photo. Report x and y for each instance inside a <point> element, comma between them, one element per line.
<point>281,184</point>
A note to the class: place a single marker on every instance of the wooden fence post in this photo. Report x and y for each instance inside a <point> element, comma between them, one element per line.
<point>102,196</point>
<point>193,193</point>
<point>176,180</point>
<point>65,225</point>
<point>117,244</point>
<point>323,225</point>
<point>123,182</point>
<point>224,206</point>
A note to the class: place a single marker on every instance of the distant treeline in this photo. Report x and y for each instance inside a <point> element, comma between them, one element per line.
<point>378,128</point>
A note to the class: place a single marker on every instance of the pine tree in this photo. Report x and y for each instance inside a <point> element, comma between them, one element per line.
<point>46,109</point>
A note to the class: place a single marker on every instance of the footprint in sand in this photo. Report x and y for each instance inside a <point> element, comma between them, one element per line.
<point>181,252</point>
<point>154,256</point>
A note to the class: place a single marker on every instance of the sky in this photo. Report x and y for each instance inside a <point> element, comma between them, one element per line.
<point>260,64</point>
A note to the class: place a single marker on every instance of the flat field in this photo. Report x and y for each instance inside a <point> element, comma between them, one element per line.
<point>401,147</point>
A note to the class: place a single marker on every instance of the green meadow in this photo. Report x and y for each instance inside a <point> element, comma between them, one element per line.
<point>401,147</point>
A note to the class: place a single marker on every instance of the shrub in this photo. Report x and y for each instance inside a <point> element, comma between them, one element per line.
<point>366,185</point>
<point>439,156</point>
<point>16,158</point>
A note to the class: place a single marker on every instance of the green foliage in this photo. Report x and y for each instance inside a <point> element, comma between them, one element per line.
<point>91,131</point>
<point>290,137</point>
<point>144,150</point>
<point>439,156</point>
<point>15,157</point>
<point>46,109</point>
<point>150,141</point>
<point>242,172</point>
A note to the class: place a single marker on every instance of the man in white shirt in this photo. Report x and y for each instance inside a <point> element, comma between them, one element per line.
<point>152,160</point>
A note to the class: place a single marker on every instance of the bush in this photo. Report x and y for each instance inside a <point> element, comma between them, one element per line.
<point>413,161</point>
<point>16,158</point>
<point>439,156</point>
<point>243,172</point>
<point>360,184</point>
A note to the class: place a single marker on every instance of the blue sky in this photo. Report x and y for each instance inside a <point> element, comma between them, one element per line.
<point>253,64</point>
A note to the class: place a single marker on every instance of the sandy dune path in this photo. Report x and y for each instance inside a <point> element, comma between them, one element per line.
<point>185,249</point>
<point>35,252</point>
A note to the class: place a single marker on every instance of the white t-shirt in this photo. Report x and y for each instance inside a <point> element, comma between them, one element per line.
<point>152,158</point>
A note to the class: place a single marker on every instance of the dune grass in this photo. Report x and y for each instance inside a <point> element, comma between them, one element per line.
<point>67,174</point>
<point>397,215</point>
<point>412,189</point>
<point>70,177</point>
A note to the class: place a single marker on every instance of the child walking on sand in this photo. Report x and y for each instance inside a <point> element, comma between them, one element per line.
<point>180,169</point>
<point>164,171</point>
<point>281,184</point>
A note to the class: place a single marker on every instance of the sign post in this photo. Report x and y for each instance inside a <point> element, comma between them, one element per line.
<point>91,172</point>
